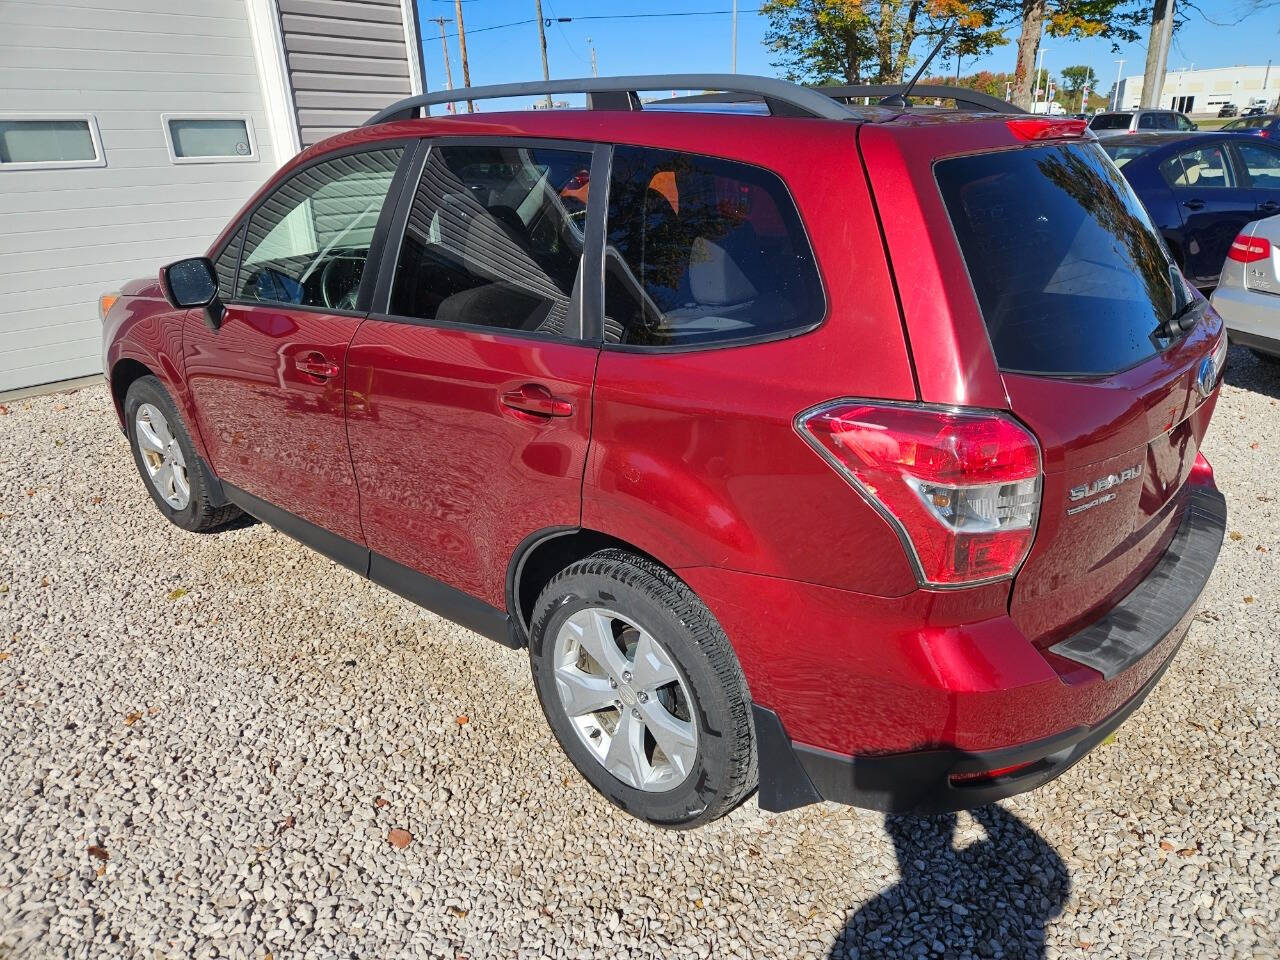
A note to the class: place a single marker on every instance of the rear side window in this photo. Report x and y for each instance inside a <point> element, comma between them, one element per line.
<point>1069,273</point>
<point>1263,164</point>
<point>701,250</point>
<point>1110,121</point>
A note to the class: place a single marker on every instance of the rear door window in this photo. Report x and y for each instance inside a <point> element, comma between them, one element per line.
<point>702,251</point>
<point>1069,273</point>
<point>1201,168</point>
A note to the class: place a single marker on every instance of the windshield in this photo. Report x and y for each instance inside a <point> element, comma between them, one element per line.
<point>1111,121</point>
<point>1069,273</point>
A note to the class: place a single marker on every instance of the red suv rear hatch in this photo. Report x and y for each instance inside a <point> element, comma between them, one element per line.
<point>1054,307</point>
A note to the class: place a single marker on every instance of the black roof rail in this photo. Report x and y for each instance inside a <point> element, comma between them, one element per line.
<point>622,93</point>
<point>964,97</point>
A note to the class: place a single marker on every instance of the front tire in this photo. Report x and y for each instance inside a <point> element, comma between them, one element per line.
<point>172,472</point>
<point>643,691</point>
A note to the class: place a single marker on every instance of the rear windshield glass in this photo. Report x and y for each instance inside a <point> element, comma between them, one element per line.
<point>1110,121</point>
<point>1069,273</point>
<point>1122,153</point>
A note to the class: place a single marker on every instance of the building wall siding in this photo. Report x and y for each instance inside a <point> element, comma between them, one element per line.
<point>68,235</point>
<point>346,61</point>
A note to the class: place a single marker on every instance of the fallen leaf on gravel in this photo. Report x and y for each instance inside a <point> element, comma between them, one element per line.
<point>4,409</point>
<point>95,499</point>
<point>99,852</point>
<point>380,803</point>
<point>1166,845</point>
<point>59,406</point>
<point>152,711</point>
<point>1186,851</point>
<point>4,655</point>
<point>1253,446</point>
<point>101,871</point>
<point>1236,535</point>
<point>462,719</point>
<point>4,588</point>
<point>1262,549</point>
<point>272,766</point>
<point>132,718</point>
<point>400,838</point>
<point>177,593</point>
<point>286,824</point>
<point>458,912</point>
<point>44,581</point>
<point>1248,599</point>
<point>31,493</point>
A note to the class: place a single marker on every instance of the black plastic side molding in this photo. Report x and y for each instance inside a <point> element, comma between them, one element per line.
<point>449,602</point>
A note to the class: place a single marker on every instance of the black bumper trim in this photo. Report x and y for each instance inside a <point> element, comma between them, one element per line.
<point>920,782</point>
<point>1133,627</point>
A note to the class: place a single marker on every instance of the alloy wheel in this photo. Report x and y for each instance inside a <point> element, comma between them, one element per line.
<point>162,456</point>
<point>625,699</point>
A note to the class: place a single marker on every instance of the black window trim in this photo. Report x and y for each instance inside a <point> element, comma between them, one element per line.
<point>590,292</point>
<point>376,245</point>
<point>729,343</point>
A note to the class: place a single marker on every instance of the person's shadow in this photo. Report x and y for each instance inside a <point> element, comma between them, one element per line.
<point>989,899</point>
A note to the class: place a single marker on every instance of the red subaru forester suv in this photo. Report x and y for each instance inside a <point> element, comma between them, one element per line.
<point>848,452</point>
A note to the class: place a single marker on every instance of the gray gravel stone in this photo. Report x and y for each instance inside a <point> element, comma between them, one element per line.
<point>185,704</point>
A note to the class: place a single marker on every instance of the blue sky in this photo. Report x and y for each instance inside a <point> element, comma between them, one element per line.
<point>702,43</point>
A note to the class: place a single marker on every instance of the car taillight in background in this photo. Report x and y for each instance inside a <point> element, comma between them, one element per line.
<point>1246,249</point>
<point>962,487</point>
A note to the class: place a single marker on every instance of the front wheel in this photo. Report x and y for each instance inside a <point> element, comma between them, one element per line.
<point>643,690</point>
<point>167,460</point>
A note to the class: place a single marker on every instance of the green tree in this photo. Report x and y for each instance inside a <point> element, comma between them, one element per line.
<point>855,41</point>
<point>1075,79</point>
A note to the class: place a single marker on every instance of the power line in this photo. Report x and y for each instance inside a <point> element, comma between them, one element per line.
<point>608,16</point>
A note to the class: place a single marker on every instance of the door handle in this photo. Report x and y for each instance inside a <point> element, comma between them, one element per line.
<point>1269,206</point>
<point>1193,204</point>
<point>535,399</point>
<point>315,365</point>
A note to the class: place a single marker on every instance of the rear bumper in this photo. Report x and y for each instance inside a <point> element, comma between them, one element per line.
<point>1252,317</point>
<point>1064,714</point>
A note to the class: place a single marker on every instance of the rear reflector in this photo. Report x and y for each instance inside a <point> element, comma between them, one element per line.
<point>990,774</point>
<point>1046,128</point>
<point>1246,249</point>
<point>962,488</point>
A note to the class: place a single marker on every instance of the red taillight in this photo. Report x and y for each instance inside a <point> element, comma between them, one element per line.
<point>962,488</point>
<point>1245,249</point>
<point>1046,128</point>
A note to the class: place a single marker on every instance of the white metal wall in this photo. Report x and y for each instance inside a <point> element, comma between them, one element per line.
<point>68,235</point>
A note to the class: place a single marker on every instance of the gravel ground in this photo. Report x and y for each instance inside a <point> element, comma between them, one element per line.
<point>206,744</point>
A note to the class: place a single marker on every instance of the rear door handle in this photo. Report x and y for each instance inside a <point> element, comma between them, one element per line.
<point>1269,206</point>
<point>1193,204</point>
<point>316,365</point>
<point>533,398</point>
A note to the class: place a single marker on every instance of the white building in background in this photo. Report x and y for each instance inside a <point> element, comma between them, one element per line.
<point>1205,91</point>
<point>132,130</point>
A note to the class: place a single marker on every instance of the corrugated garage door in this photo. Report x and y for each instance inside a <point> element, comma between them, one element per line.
<point>347,61</point>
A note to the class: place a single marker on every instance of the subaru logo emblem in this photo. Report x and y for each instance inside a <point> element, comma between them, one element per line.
<point>1204,377</point>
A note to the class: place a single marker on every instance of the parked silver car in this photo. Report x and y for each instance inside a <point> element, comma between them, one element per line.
<point>1113,123</point>
<point>1248,294</point>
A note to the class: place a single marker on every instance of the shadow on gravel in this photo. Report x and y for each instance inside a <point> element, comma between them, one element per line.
<point>989,899</point>
<point>1249,372</point>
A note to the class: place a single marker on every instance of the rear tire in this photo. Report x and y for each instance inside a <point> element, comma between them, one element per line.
<point>171,470</point>
<point>680,709</point>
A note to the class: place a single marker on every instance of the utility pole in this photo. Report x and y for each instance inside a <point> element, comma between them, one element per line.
<point>1157,52</point>
<point>444,46</point>
<point>595,71</point>
<point>462,50</point>
<point>1115,93</point>
<point>1039,60</point>
<point>733,41</point>
<point>542,42</point>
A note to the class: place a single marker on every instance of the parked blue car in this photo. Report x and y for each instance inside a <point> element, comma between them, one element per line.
<point>1258,124</point>
<point>1200,190</point>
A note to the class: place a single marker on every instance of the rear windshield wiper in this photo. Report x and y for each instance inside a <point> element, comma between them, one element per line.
<point>1191,313</point>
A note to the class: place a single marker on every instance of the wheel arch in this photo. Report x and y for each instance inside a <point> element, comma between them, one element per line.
<point>543,554</point>
<point>123,374</point>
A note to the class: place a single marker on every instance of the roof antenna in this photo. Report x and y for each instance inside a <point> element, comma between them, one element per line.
<point>898,101</point>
